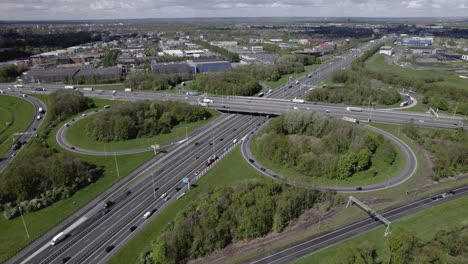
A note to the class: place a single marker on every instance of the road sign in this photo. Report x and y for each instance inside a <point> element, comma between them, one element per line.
<point>155,146</point>
<point>185,180</point>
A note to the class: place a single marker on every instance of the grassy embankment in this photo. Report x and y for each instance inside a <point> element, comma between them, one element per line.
<point>16,115</point>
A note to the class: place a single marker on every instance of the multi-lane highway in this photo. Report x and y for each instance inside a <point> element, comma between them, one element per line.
<point>29,132</point>
<point>94,233</point>
<point>349,230</point>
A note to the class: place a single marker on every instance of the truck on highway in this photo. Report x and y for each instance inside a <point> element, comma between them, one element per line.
<point>18,86</point>
<point>192,93</point>
<point>297,100</point>
<point>207,100</point>
<point>405,103</point>
<point>39,89</point>
<point>349,119</point>
<point>70,87</point>
<point>88,89</point>
<point>127,89</point>
<point>57,238</point>
<point>211,160</point>
<point>355,109</point>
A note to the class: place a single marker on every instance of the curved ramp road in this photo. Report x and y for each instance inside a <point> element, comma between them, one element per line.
<point>411,164</point>
<point>353,229</point>
<point>29,132</point>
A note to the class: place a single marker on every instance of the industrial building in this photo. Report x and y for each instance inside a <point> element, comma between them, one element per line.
<point>416,41</point>
<point>203,66</point>
<point>387,50</point>
<point>59,75</point>
<point>170,68</point>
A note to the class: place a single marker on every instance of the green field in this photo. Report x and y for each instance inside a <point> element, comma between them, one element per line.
<point>425,224</point>
<point>76,136</point>
<point>361,178</point>
<point>223,174</point>
<point>450,79</point>
<point>16,115</point>
<point>12,234</point>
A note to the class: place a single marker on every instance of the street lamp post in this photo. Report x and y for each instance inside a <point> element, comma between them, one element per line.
<point>24,223</point>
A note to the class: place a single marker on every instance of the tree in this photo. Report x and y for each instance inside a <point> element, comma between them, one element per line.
<point>401,245</point>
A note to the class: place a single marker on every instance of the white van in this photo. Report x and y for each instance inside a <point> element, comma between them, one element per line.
<point>147,215</point>
<point>57,238</point>
<point>163,195</point>
<point>234,141</point>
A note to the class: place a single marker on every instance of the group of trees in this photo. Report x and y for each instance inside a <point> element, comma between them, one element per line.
<point>64,103</point>
<point>41,177</point>
<point>355,90</point>
<point>404,247</point>
<point>227,214</point>
<point>150,81</point>
<point>9,73</point>
<point>316,146</point>
<point>230,56</point>
<point>143,118</point>
<point>235,82</point>
<point>110,59</point>
<point>450,149</point>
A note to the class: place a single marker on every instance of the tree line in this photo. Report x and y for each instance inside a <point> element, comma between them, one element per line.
<point>64,103</point>
<point>402,246</point>
<point>10,72</point>
<point>153,81</point>
<point>450,149</point>
<point>142,119</point>
<point>354,89</point>
<point>230,56</point>
<point>228,214</point>
<point>317,146</point>
<point>235,82</point>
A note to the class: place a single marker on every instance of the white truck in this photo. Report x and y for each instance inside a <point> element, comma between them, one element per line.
<point>349,119</point>
<point>355,109</point>
<point>18,86</point>
<point>207,100</point>
<point>88,89</point>
<point>127,89</point>
<point>297,100</point>
<point>57,238</point>
<point>70,87</point>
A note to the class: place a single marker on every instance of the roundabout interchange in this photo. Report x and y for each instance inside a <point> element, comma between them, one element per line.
<point>91,232</point>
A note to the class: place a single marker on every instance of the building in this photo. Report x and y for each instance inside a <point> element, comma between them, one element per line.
<point>176,53</point>
<point>423,50</point>
<point>194,53</point>
<point>170,68</point>
<point>387,50</point>
<point>49,76</point>
<point>224,43</point>
<point>256,49</point>
<point>416,41</point>
<point>203,66</point>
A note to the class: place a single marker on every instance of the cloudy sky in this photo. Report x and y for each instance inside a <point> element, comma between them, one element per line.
<point>116,9</point>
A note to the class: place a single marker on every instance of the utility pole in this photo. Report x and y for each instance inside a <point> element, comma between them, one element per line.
<point>24,223</point>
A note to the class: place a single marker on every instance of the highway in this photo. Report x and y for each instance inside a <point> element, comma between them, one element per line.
<point>92,229</point>
<point>88,240</point>
<point>333,237</point>
<point>29,132</point>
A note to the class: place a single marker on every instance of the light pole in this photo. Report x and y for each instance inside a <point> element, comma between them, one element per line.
<point>24,223</point>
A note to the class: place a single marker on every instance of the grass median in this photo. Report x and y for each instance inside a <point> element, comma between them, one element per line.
<point>16,115</point>
<point>231,170</point>
<point>76,136</point>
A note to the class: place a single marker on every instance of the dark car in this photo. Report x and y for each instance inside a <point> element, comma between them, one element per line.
<point>251,160</point>
<point>133,228</point>
<point>262,169</point>
<point>177,189</point>
<point>274,176</point>
<point>452,192</point>
<point>66,259</point>
<point>196,143</point>
<point>72,147</point>
<point>156,189</point>
<point>221,139</point>
<point>96,110</point>
<point>108,204</point>
<point>129,192</point>
<point>110,248</point>
<point>434,198</point>
<point>359,188</point>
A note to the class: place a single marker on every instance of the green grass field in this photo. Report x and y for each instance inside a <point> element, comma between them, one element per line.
<point>76,136</point>
<point>450,79</point>
<point>384,172</point>
<point>16,115</point>
<point>425,224</point>
<point>223,174</point>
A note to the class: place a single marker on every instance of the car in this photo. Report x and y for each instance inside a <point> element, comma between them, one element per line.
<point>327,111</point>
<point>251,160</point>
<point>13,154</point>
<point>108,204</point>
<point>96,110</point>
<point>163,195</point>
<point>147,215</point>
<point>359,188</point>
<point>34,129</point>
<point>105,212</point>
<point>177,189</point>
<point>129,192</point>
<point>211,143</point>
<point>132,228</point>
<point>110,248</point>
<point>156,189</point>
<point>196,173</point>
<point>167,198</point>
<point>262,169</point>
<point>221,139</point>
<point>73,119</point>
<point>196,143</point>
<point>72,147</point>
<point>66,259</point>
<point>234,129</point>
<point>83,115</point>
<point>197,157</point>
<point>274,176</point>
<point>451,192</point>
